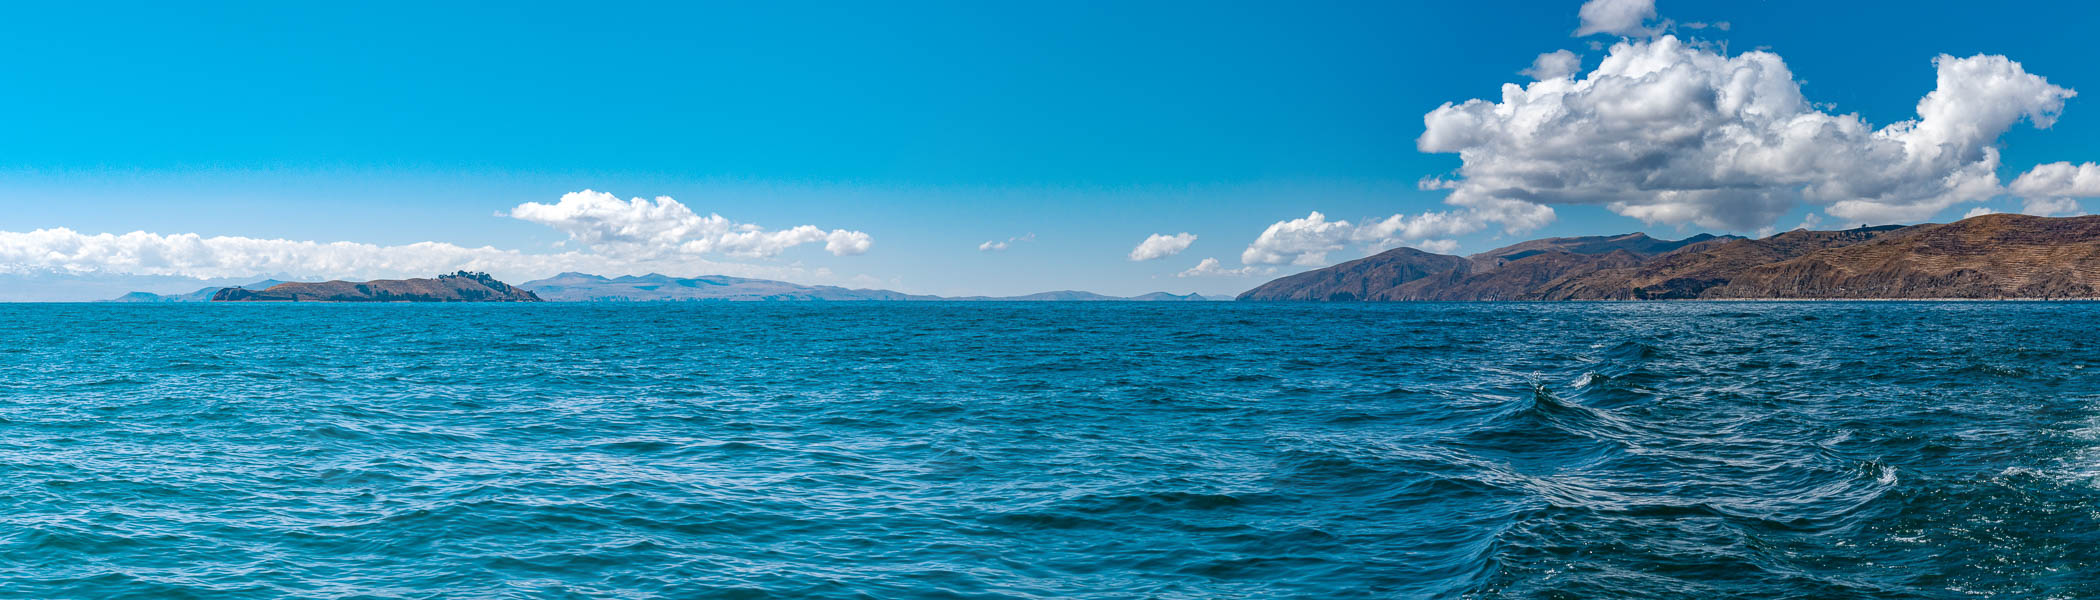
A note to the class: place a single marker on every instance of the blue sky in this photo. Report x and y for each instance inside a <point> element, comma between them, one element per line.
<point>930,127</point>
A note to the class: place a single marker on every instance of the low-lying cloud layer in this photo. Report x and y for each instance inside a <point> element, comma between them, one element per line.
<point>617,236</point>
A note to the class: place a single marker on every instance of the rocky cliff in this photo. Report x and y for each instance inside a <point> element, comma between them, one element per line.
<point>1990,256</point>
<point>457,287</point>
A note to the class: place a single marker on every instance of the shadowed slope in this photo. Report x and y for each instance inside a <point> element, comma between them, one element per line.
<point>1991,256</point>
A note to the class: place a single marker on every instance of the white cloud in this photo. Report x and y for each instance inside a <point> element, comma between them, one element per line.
<point>1675,133</point>
<point>1001,246</point>
<point>1298,241</point>
<point>1162,246</point>
<point>1616,17</point>
<point>1422,226</point>
<point>1436,183</point>
<point>1210,267</point>
<point>2052,189</point>
<point>1437,246</point>
<point>2051,207</point>
<point>1979,211</point>
<point>664,227</point>
<point>2058,180</point>
<point>1307,241</point>
<point>1554,65</point>
<point>192,255</point>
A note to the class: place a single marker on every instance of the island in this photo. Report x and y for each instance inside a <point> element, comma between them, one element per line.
<point>1996,256</point>
<point>462,286</point>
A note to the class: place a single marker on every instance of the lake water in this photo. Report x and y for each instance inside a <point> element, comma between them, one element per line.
<point>1051,450</point>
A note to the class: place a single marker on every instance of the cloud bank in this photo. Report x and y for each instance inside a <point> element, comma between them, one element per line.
<point>618,237</point>
<point>1158,246</point>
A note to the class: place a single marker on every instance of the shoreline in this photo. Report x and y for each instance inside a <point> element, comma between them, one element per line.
<point>1247,302</point>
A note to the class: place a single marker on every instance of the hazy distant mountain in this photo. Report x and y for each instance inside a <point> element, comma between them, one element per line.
<point>58,285</point>
<point>583,287</point>
<point>1166,297</point>
<point>457,287</point>
<point>1991,256</point>
<point>202,295</point>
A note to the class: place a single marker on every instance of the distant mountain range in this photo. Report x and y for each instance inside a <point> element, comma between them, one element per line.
<point>1990,256</point>
<point>202,295</point>
<point>582,287</point>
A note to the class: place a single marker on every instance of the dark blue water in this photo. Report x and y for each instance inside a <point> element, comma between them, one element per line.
<point>1693,450</point>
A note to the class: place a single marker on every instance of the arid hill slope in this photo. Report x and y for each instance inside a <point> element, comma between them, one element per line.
<point>1990,256</point>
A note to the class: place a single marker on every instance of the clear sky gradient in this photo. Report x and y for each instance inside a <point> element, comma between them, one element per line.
<point>931,127</point>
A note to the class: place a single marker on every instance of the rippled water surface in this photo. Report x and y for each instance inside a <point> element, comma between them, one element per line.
<point>1684,450</point>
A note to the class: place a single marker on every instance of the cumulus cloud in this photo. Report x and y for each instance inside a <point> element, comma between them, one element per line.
<point>2052,189</point>
<point>1307,241</point>
<point>664,227</point>
<point>1671,132</point>
<point>2051,207</point>
<point>1162,246</point>
<point>1554,65</point>
<point>1979,211</point>
<point>1210,267</point>
<point>1303,242</point>
<point>2059,180</point>
<point>1616,17</point>
<point>1436,246</point>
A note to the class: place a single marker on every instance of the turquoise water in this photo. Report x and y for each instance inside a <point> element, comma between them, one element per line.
<point>1057,450</point>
